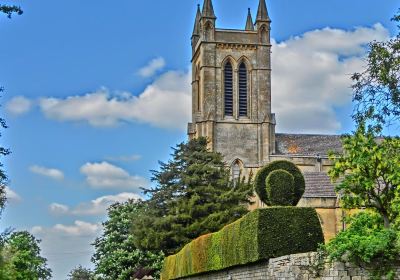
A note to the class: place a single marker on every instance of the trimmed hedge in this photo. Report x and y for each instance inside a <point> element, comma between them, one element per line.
<point>280,188</point>
<point>260,185</point>
<point>260,235</point>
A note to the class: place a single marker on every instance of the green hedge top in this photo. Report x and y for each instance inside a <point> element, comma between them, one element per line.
<point>260,235</point>
<point>262,174</point>
<point>280,188</point>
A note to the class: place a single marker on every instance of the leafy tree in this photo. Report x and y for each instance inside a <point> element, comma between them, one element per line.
<point>366,243</point>
<point>81,273</point>
<point>370,172</point>
<point>377,89</point>
<point>3,176</point>
<point>116,256</point>
<point>193,196</point>
<point>22,260</point>
<point>9,10</point>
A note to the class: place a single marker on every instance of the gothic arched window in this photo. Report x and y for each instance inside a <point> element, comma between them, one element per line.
<point>236,171</point>
<point>242,90</point>
<point>228,86</point>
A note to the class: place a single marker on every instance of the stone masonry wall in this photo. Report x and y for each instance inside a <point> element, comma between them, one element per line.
<point>293,267</point>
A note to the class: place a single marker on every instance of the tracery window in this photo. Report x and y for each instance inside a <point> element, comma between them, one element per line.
<point>242,90</point>
<point>228,87</point>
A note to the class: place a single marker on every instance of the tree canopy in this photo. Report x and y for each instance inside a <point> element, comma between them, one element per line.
<point>116,256</point>
<point>10,10</point>
<point>369,169</point>
<point>81,273</point>
<point>376,90</point>
<point>193,196</point>
<point>3,176</point>
<point>22,260</point>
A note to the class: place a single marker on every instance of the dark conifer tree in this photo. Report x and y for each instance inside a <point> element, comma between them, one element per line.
<point>194,196</point>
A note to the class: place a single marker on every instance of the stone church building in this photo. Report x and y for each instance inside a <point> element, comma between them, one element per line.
<point>231,91</point>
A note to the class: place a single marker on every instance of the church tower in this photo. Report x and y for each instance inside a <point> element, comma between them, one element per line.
<point>231,88</point>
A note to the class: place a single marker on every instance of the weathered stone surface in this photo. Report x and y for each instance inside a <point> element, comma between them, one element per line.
<point>294,267</point>
<point>249,138</point>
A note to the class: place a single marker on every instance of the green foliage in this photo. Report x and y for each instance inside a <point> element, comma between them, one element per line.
<point>370,168</point>
<point>116,256</point>
<point>260,235</point>
<point>81,273</point>
<point>22,260</point>
<point>260,181</point>
<point>280,188</point>
<point>194,196</point>
<point>9,10</point>
<point>377,89</point>
<point>366,243</point>
<point>3,176</point>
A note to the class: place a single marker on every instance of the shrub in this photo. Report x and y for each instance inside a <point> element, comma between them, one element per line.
<point>260,235</point>
<point>280,187</point>
<point>260,180</point>
<point>366,243</point>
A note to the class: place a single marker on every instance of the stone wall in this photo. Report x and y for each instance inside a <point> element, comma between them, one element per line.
<point>294,267</point>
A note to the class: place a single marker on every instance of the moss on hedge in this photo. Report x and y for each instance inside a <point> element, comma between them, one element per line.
<point>260,235</point>
<point>280,188</point>
<point>261,188</point>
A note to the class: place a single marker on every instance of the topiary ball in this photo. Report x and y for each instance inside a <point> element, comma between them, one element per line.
<point>299,183</point>
<point>280,188</point>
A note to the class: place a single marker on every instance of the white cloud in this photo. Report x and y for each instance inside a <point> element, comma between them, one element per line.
<point>79,228</point>
<point>96,207</point>
<point>165,104</point>
<point>66,246</point>
<point>107,176</point>
<point>311,76</point>
<point>152,67</point>
<point>125,158</point>
<point>12,196</point>
<point>310,79</point>
<point>58,209</point>
<point>19,105</point>
<point>47,172</point>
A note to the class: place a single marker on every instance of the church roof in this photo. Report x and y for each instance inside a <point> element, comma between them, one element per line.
<point>307,144</point>
<point>318,185</point>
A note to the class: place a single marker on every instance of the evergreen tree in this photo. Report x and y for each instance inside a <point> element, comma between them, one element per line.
<point>116,256</point>
<point>193,196</point>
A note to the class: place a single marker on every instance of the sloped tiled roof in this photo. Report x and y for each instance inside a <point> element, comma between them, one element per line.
<point>318,185</point>
<point>307,144</point>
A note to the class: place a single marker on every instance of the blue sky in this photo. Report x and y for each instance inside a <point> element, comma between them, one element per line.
<point>98,91</point>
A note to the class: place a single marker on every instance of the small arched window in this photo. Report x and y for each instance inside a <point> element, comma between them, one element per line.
<point>209,31</point>
<point>236,171</point>
<point>242,90</point>
<point>228,86</point>
<point>263,35</point>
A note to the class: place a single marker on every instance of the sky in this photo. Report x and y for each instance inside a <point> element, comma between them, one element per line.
<point>98,92</point>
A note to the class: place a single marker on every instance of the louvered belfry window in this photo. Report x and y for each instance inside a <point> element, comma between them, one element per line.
<point>242,90</point>
<point>228,79</point>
